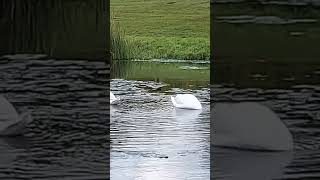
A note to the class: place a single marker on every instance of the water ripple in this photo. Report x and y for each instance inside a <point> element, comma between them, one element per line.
<point>68,136</point>
<point>299,108</point>
<point>152,140</point>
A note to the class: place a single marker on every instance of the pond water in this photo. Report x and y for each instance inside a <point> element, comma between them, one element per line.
<point>68,99</point>
<point>293,92</point>
<point>265,51</point>
<point>150,139</point>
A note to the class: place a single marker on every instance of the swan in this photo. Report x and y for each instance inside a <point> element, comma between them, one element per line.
<point>186,101</point>
<point>249,125</point>
<point>12,124</point>
<point>113,98</point>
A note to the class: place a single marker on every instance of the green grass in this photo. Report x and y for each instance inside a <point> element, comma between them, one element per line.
<point>120,47</point>
<point>177,29</point>
<point>170,47</point>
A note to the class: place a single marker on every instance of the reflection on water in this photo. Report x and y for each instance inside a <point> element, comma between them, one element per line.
<point>181,74</point>
<point>236,164</point>
<point>60,28</point>
<point>266,74</point>
<point>150,138</point>
<point>67,137</point>
<point>272,30</point>
<point>297,103</point>
<point>266,51</point>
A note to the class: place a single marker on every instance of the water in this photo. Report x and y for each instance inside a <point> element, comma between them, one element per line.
<point>67,138</point>
<point>60,28</point>
<point>276,30</point>
<point>149,138</point>
<point>296,102</point>
<point>264,51</point>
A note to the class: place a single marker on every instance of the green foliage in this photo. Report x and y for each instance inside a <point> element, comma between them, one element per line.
<point>170,48</point>
<point>120,46</point>
<point>171,29</point>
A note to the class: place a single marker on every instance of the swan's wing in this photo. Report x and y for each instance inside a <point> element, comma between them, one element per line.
<point>7,111</point>
<point>114,101</point>
<point>179,99</point>
<point>254,126</point>
<point>173,101</point>
<point>8,114</point>
<point>188,101</point>
<point>19,127</point>
<point>112,96</point>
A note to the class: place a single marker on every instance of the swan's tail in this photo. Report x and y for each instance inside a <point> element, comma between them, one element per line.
<point>173,101</point>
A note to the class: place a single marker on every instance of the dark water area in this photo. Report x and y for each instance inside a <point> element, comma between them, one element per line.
<point>172,73</point>
<point>150,139</point>
<point>265,75</point>
<point>292,91</point>
<point>269,30</point>
<point>299,108</point>
<point>266,52</point>
<point>60,28</point>
<point>69,133</point>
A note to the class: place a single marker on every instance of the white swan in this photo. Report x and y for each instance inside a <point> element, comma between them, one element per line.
<point>11,124</point>
<point>186,101</point>
<point>113,98</point>
<point>249,125</point>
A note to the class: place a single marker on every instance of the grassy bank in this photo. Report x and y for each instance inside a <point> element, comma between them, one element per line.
<point>177,29</point>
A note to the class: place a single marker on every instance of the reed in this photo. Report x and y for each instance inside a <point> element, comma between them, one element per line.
<point>121,49</point>
<point>62,29</point>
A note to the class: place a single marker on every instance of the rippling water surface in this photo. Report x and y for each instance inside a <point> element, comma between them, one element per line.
<point>268,55</point>
<point>67,138</point>
<point>150,138</point>
<point>297,104</point>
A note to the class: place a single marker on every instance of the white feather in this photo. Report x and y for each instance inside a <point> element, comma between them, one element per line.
<point>186,101</point>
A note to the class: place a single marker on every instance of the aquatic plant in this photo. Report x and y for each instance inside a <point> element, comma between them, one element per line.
<point>120,46</point>
<point>121,49</point>
<point>63,29</point>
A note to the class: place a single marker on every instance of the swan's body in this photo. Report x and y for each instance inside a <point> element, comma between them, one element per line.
<point>12,124</point>
<point>249,126</point>
<point>186,101</point>
<point>113,98</point>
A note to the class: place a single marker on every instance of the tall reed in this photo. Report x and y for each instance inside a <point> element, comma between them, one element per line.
<point>120,46</point>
